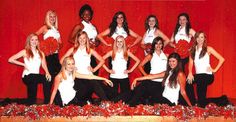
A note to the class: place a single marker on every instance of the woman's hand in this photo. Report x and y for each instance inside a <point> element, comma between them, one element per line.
<point>111,71</point>
<point>48,77</point>
<point>190,78</point>
<point>127,71</point>
<point>133,85</point>
<point>109,82</point>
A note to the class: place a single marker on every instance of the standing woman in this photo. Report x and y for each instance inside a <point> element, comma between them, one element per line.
<point>119,26</point>
<point>182,36</point>
<point>51,42</point>
<point>63,92</point>
<point>119,72</point>
<point>152,31</point>
<point>174,81</point>
<point>151,88</point>
<point>33,59</point>
<point>200,58</point>
<point>82,53</point>
<point>86,15</point>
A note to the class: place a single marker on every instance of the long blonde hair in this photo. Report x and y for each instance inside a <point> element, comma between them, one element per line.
<point>29,52</point>
<point>77,44</point>
<point>63,67</point>
<point>47,21</point>
<point>115,48</point>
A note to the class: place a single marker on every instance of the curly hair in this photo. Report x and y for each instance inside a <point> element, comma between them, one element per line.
<point>84,8</point>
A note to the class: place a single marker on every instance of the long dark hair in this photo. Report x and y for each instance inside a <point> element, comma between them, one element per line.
<point>154,42</point>
<point>204,46</point>
<point>188,24</point>
<point>84,8</point>
<point>147,20</point>
<point>175,71</point>
<point>113,24</point>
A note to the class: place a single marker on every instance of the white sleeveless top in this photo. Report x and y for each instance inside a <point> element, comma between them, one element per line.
<point>158,64</point>
<point>90,30</point>
<point>181,35</point>
<point>52,32</point>
<point>66,89</point>
<point>119,65</point>
<point>202,64</point>
<point>149,36</point>
<point>119,31</point>
<point>172,94</point>
<point>33,64</point>
<point>82,61</point>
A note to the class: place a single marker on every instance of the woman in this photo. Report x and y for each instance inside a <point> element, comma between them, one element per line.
<point>182,36</point>
<point>86,15</point>
<point>152,31</point>
<point>174,81</point>
<point>51,42</point>
<point>64,83</point>
<point>200,58</point>
<point>151,88</point>
<point>82,54</point>
<point>119,26</point>
<point>119,72</point>
<point>33,58</point>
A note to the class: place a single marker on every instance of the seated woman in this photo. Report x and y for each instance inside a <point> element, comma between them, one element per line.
<point>64,82</point>
<point>174,80</point>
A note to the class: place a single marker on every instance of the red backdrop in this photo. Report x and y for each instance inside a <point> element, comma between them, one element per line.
<point>18,18</point>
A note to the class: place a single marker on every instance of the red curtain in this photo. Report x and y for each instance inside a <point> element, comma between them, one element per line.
<point>18,18</point>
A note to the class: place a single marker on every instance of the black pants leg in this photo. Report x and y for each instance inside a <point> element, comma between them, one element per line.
<point>124,85</point>
<point>94,84</point>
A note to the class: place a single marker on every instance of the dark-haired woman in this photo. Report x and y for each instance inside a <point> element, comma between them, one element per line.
<point>152,31</point>
<point>200,58</point>
<point>174,81</point>
<point>86,15</point>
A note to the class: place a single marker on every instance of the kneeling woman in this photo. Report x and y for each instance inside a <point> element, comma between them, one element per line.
<point>174,81</point>
<point>64,82</point>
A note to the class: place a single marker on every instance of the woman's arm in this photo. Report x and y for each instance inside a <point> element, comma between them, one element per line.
<point>76,29</point>
<point>171,43</point>
<point>143,43</point>
<point>192,32</point>
<point>190,68</point>
<point>55,87</point>
<point>45,68</point>
<point>147,77</point>
<point>163,36</point>
<point>93,77</point>
<point>135,35</point>
<point>13,59</point>
<point>220,58</point>
<point>182,82</point>
<point>99,58</point>
<point>137,61</point>
<point>41,30</point>
<point>101,35</point>
<point>104,65</point>
<point>145,60</point>
<point>68,53</point>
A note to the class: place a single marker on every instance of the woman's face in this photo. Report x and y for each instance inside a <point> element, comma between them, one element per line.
<point>173,63</point>
<point>86,16</point>
<point>183,21</point>
<point>151,22</point>
<point>120,42</point>
<point>52,18</point>
<point>158,45</point>
<point>82,39</point>
<point>200,39</point>
<point>34,41</point>
<point>70,65</point>
<point>120,19</point>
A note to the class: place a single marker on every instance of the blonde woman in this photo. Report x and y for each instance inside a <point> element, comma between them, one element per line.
<point>33,59</point>
<point>64,83</point>
<point>51,42</point>
<point>119,72</point>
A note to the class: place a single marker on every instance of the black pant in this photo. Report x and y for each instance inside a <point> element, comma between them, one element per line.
<point>53,65</point>
<point>87,87</point>
<point>184,61</point>
<point>31,81</point>
<point>147,89</point>
<point>93,64</point>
